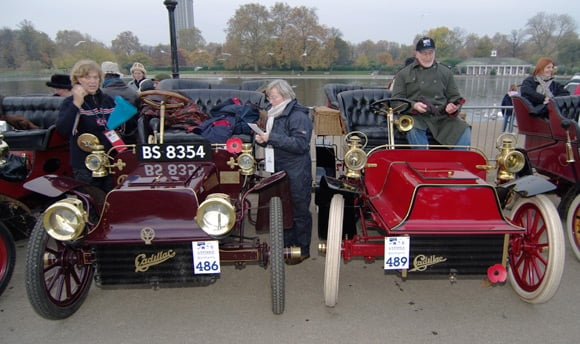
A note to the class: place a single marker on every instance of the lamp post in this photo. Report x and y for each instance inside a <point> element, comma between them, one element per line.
<point>170,4</point>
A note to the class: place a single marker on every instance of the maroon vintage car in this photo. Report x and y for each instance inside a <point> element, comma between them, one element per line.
<point>25,155</point>
<point>552,149</point>
<point>433,212</point>
<point>177,214</point>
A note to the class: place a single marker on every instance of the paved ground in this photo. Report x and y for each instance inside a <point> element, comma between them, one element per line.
<point>372,308</point>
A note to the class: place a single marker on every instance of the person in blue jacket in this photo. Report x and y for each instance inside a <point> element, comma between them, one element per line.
<point>287,141</point>
<point>86,111</point>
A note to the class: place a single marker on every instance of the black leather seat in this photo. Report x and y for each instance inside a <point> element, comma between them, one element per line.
<point>253,85</point>
<point>355,109</point>
<point>567,106</point>
<point>40,110</point>
<point>179,84</point>
<point>205,99</point>
<point>333,89</point>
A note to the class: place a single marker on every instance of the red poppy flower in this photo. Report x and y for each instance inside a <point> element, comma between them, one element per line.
<point>234,145</point>
<point>497,273</point>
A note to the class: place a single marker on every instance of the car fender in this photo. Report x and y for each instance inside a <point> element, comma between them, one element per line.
<point>529,186</point>
<point>52,185</point>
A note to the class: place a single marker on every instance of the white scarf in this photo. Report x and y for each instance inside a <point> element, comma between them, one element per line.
<point>544,86</point>
<point>274,112</point>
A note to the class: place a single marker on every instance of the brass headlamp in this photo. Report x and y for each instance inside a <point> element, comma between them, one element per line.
<point>355,158</point>
<point>509,161</point>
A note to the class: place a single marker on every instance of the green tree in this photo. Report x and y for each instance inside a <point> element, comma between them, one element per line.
<point>11,49</point>
<point>190,39</point>
<point>247,30</point>
<point>126,44</point>
<point>37,45</point>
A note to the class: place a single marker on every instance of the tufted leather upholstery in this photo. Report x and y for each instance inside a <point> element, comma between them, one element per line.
<point>357,115</point>
<point>224,86</point>
<point>253,85</point>
<point>567,106</point>
<point>332,90</point>
<point>205,100</point>
<point>178,84</point>
<point>40,110</point>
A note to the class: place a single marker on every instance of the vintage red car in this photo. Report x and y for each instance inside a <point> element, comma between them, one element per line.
<point>551,147</point>
<point>433,212</point>
<point>25,155</point>
<point>177,214</point>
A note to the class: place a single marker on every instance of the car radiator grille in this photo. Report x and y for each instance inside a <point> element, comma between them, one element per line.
<point>460,254</point>
<point>154,265</point>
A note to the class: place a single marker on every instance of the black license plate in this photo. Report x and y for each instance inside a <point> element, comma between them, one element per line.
<point>174,152</point>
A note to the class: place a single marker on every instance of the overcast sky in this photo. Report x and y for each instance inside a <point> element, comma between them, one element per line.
<point>359,20</point>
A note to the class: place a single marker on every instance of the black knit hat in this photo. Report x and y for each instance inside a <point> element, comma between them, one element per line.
<point>60,81</point>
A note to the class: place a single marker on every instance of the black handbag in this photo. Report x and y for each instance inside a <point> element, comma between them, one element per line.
<point>13,168</point>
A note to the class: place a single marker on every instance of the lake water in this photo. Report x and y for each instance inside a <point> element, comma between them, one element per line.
<point>478,91</point>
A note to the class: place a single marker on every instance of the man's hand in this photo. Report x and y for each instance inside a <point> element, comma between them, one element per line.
<point>451,108</point>
<point>420,107</point>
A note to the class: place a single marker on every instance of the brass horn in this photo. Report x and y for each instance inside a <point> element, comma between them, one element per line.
<point>405,123</point>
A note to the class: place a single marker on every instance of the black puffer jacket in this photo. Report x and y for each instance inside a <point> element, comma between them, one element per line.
<point>290,138</point>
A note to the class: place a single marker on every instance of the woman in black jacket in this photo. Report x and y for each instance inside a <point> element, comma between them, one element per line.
<point>86,111</point>
<point>539,87</point>
<point>287,141</point>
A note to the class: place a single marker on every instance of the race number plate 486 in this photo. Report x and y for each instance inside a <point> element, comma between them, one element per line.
<point>174,152</point>
<point>397,253</point>
<point>206,257</point>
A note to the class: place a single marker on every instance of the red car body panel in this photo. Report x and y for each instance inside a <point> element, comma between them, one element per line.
<point>424,195</point>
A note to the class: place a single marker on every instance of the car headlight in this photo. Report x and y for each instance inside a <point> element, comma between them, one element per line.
<point>355,159</point>
<point>65,219</point>
<point>246,163</point>
<point>216,215</point>
<point>96,163</point>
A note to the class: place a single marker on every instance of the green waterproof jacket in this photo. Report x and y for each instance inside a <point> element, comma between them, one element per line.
<point>437,86</point>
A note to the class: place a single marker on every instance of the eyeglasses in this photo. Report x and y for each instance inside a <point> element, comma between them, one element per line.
<point>273,97</point>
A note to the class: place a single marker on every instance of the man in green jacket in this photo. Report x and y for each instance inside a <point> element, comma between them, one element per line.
<point>432,90</point>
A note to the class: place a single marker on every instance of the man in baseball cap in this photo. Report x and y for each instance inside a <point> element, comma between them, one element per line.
<point>435,99</point>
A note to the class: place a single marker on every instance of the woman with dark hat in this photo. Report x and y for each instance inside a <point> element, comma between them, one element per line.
<point>61,85</point>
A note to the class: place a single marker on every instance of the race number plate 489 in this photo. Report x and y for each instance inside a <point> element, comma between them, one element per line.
<point>397,253</point>
<point>174,152</point>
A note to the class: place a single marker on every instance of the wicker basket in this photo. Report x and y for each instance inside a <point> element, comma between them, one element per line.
<point>328,122</point>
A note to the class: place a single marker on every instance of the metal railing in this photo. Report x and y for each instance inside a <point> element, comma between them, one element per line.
<point>486,126</point>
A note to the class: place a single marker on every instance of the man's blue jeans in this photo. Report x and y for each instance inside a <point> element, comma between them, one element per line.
<point>419,137</point>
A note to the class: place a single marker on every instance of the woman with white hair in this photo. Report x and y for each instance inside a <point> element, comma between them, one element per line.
<point>287,141</point>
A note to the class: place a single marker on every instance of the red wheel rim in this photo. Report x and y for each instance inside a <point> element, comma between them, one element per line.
<point>3,257</point>
<point>528,252</point>
<point>65,274</point>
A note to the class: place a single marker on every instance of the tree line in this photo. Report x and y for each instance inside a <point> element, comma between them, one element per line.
<point>287,38</point>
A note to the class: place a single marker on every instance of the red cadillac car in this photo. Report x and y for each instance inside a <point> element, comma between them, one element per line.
<point>434,213</point>
<point>177,215</point>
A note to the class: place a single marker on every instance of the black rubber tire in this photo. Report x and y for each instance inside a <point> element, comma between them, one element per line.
<point>57,280</point>
<point>7,256</point>
<point>277,255</point>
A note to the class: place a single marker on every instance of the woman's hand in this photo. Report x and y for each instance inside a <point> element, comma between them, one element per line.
<point>79,94</point>
<point>262,138</point>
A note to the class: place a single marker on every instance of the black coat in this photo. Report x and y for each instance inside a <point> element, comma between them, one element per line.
<point>530,85</point>
<point>93,117</point>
